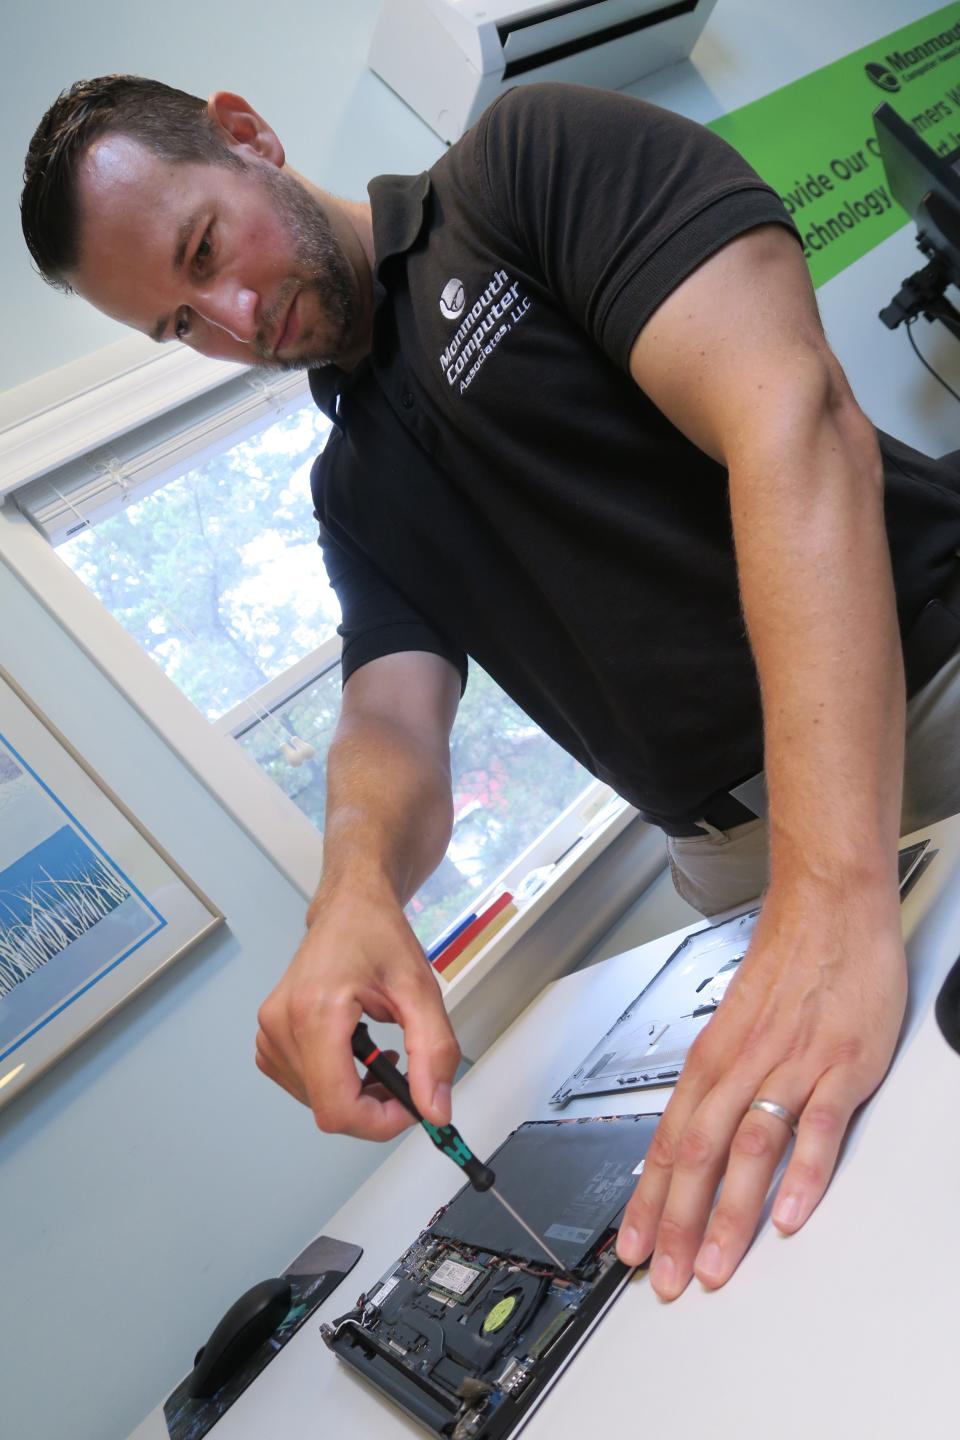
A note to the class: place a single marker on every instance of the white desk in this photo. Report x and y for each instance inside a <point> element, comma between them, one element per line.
<point>847,1329</point>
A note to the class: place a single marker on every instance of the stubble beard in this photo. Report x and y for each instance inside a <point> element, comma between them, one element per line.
<point>324,271</point>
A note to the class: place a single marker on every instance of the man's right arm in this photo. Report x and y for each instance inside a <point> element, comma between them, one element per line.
<point>389,818</point>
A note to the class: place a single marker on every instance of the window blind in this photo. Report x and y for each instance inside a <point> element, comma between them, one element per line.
<point>98,484</point>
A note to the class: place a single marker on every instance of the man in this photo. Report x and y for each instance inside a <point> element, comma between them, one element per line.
<point>584,409</point>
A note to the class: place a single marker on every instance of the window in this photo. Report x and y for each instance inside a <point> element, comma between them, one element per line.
<point>216,572</point>
<point>211,563</point>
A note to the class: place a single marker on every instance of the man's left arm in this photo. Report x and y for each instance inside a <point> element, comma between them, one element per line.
<point>737,360</point>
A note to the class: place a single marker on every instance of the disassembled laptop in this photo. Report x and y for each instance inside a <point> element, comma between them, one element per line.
<point>471,1326</point>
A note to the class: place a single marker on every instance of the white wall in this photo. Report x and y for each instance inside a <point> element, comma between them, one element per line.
<point>153,1174</point>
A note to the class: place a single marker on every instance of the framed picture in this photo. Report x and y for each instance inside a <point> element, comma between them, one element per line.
<point>91,908</point>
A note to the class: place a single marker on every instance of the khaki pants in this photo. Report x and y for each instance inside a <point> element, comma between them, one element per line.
<point>713,872</point>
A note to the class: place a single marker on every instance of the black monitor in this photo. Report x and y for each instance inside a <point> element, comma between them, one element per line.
<point>925,183</point>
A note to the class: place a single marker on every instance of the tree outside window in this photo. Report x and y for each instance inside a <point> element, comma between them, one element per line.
<point>218,576</point>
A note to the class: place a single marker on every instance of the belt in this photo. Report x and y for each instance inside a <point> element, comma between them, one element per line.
<point>932,640</point>
<point>722,812</point>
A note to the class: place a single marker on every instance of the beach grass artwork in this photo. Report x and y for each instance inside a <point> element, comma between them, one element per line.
<point>91,909</point>
<point>68,914</point>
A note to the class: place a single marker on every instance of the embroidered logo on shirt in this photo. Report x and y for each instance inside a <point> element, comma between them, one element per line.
<point>500,307</point>
<point>452,300</point>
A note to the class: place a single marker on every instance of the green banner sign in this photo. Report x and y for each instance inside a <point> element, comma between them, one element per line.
<point>814,141</point>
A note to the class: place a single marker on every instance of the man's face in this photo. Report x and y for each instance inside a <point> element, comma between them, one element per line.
<point>239,264</point>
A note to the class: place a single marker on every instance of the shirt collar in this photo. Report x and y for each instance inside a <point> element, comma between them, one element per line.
<point>397,204</point>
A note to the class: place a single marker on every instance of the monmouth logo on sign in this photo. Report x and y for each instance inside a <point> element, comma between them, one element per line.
<point>882,77</point>
<point>452,300</point>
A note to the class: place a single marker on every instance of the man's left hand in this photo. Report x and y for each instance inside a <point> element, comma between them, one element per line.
<point>809,1021</point>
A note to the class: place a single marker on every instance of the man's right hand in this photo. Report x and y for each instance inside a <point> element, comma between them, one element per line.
<point>359,957</point>
<point>388,822</point>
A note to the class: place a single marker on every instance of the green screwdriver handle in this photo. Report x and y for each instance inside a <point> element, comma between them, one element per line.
<point>447,1138</point>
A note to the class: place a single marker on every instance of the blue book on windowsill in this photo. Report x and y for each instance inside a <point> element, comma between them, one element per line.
<point>449,935</point>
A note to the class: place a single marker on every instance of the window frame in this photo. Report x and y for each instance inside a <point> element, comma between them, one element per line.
<point>276,692</point>
<point>82,416</point>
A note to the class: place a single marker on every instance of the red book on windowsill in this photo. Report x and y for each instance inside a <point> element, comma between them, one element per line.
<point>466,937</point>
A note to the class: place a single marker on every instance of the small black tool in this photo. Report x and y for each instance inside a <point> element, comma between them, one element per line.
<point>242,1330</point>
<point>947,1008</point>
<point>447,1138</point>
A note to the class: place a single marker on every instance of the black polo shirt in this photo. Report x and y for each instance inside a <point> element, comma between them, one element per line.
<point>498,486</point>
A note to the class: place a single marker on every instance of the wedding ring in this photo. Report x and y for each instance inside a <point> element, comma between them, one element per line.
<point>782,1113</point>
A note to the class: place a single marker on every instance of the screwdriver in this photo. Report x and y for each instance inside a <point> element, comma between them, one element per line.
<point>447,1138</point>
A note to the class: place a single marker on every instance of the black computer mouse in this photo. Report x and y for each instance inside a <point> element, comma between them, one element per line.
<point>948,1007</point>
<point>248,1322</point>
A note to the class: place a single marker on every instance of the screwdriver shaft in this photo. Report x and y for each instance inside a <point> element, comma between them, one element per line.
<point>447,1138</point>
<point>532,1233</point>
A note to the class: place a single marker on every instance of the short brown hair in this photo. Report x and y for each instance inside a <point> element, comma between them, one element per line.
<point>174,125</point>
